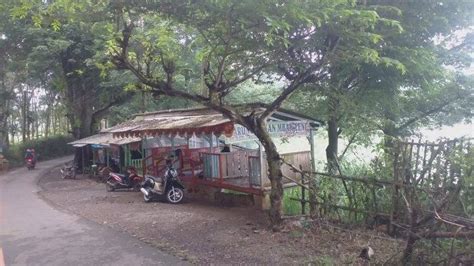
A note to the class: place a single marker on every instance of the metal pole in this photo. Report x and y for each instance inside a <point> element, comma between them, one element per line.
<point>210,142</point>
<point>311,143</point>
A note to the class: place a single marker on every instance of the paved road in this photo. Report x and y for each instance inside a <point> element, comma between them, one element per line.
<point>34,233</point>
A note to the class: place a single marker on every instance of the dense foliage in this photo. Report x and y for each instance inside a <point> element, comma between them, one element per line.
<point>46,148</point>
<point>368,68</point>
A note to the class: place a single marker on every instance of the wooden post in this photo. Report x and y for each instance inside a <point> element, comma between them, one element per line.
<point>396,193</point>
<point>127,155</point>
<point>221,167</point>
<point>83,159</point>
<point>312,178</point>
<point>303,193</point>
<point>261,161</point>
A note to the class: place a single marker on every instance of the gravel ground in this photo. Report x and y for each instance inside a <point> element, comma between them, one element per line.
<point>204,233</point>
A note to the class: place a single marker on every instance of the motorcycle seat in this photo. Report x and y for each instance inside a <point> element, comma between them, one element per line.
<point>120,175</point>
<point>155,178</point>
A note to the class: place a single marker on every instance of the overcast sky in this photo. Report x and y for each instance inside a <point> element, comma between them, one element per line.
<point>456,131</point>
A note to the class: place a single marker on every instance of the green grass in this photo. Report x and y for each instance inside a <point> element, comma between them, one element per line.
<point>293,207</point>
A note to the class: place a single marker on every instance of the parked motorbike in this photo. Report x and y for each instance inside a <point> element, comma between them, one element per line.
<point>30,163</point>
<point>68,171</point>
<point>118,181</point>
<point>168,188</point>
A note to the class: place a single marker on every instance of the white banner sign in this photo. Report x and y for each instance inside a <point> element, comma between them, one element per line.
<point>275,128</point>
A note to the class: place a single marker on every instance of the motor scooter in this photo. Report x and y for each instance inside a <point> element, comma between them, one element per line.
<point>168,188</point>
<point>68,171</point>
<point>30,163</point>
<point>117,181</point>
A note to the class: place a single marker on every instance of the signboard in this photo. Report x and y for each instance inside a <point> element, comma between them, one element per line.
<point>277,129</point>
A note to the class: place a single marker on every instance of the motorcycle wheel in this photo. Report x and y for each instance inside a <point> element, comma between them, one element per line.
<point>147,198</point>
<point>175,195</point>
<point>109,187</point>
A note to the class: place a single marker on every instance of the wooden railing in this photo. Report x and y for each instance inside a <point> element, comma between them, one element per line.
<point>237,164</point>
<point>211,165</point>
<point>255,171</point>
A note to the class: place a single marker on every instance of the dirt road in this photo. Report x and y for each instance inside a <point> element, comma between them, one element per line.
<point>204,233</point>
<point>34,233</point>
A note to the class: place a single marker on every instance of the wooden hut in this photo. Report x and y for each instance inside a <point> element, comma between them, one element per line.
<point>209,150</point>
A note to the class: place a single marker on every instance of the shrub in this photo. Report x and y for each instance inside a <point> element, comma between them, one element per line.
<point>291,206</point>
<point>46,148</point>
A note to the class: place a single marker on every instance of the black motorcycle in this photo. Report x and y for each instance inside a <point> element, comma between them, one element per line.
<point>168,188</point>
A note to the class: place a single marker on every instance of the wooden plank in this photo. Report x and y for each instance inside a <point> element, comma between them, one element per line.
<point>417,158</point>
<point>217,184</point>
<point>422,174</point>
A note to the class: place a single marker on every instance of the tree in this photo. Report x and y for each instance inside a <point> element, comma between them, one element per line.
<point>407,87</point>
<point>237,42</point>
<point>87,96</point>
<point>10,54</point>
<point>65,56</point>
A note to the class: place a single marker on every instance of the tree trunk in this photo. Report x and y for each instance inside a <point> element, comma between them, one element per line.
<point>4,115</point>
<point>391,157</point>
<point>12,131</point>
<point>24,118</point>
<point>274,172</point>
<point>410,244</point>
<point>79,108</point>
<point>332,148</point>
<point>35,121</point>
<point>47,122</point>
<point>82,124</point>
<point>333,136</point>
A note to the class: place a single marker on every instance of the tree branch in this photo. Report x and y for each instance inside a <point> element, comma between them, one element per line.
<point>425,114</point>
<point>237,81</point>
<point>295,84</point>
<point>161,87</point>
<point>307,76</point>
<point>351,140</point>
<point>118,100</point>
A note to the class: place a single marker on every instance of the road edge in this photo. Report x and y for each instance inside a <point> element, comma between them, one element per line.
<point>159,246</point>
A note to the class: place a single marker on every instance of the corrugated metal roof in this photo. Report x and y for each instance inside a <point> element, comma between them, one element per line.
<point>173,123</point>
<point>186,122</point>
<point>103,139</point>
